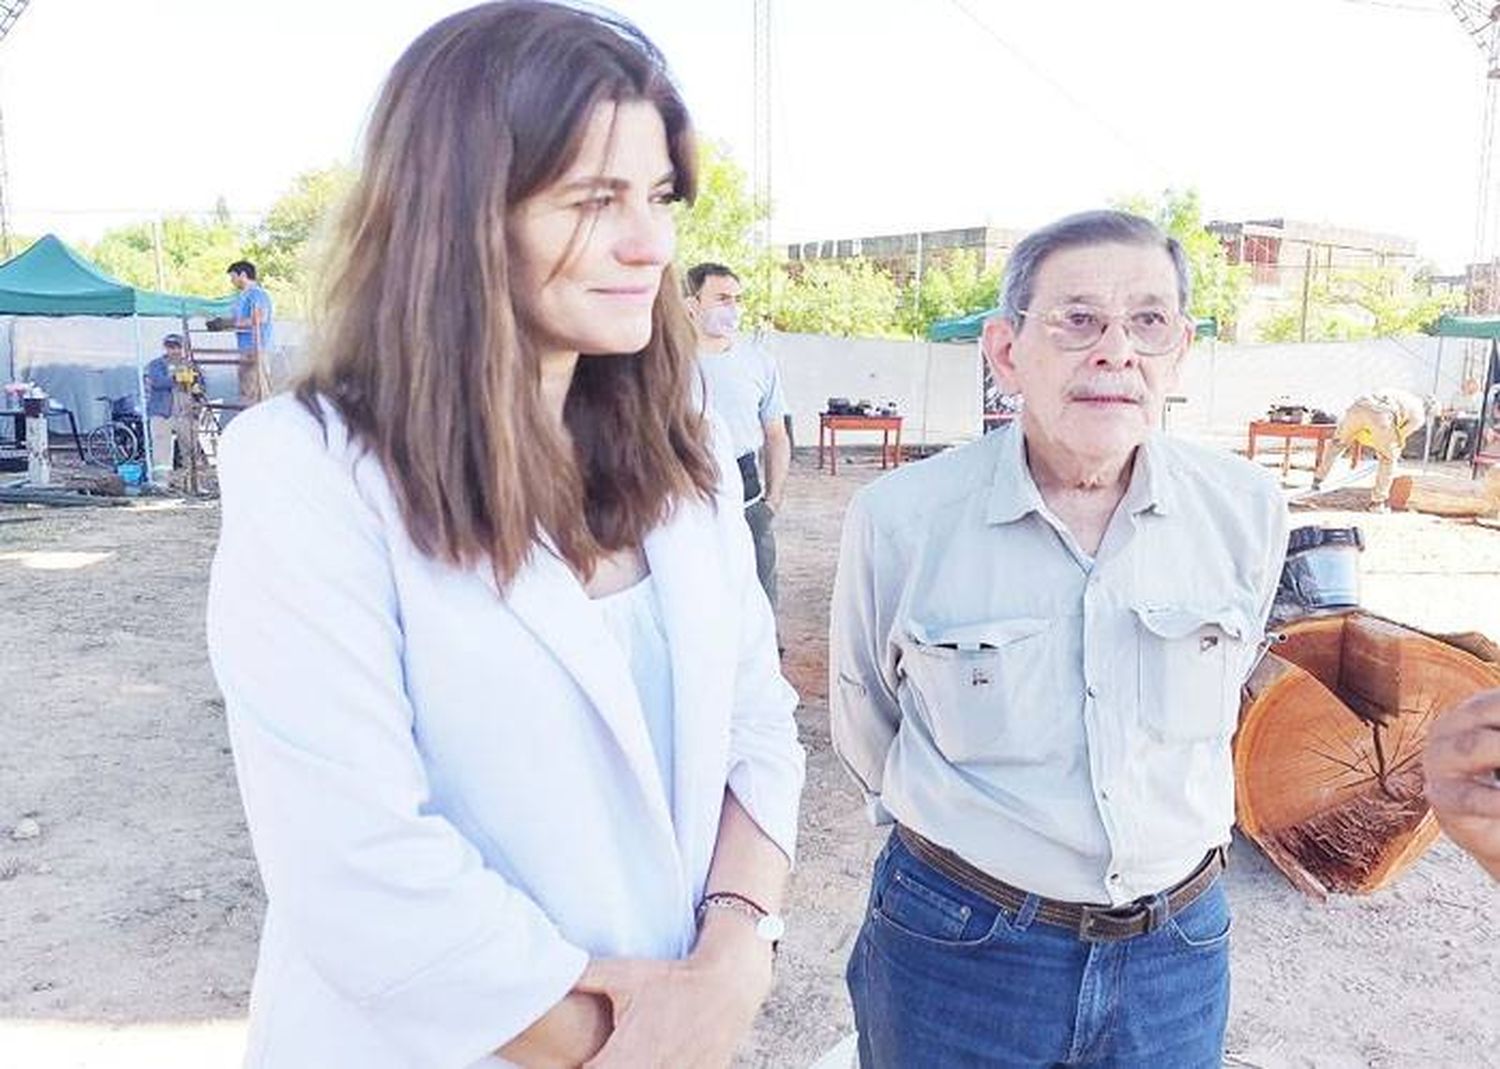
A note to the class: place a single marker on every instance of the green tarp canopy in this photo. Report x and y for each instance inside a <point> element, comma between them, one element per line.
<point>969,327</point>
<point>1452,326</point>
<point>50,279</point>
<point>959,328</point>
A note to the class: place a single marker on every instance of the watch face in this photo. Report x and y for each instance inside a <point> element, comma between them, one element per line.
<point>770,928</point>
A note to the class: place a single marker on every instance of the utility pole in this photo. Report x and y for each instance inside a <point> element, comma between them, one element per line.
<point>5,250</point>
<point>761,149</point>
<point>161,276</point>
<point>1306,289</point>
<point>10,11</point>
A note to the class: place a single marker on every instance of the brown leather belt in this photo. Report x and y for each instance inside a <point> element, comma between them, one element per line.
<point>1094,924</point>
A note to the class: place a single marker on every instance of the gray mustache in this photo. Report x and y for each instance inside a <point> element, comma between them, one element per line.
<point>1109,387</point>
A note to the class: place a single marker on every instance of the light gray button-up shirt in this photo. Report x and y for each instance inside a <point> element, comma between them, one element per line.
<point>1062,722</point>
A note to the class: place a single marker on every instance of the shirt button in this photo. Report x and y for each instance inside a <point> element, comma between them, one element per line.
<point>1114,877</point>
<point>1092,691</point>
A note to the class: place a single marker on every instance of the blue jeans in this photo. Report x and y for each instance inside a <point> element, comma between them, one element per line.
<point>942,977</point>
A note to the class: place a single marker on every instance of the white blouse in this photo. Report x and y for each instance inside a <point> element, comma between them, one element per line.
<point>633,618</point>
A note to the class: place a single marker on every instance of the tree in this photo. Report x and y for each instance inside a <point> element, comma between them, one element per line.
<point>953,283</point>
<point>1364,302</point>
<point>1219,287</point>
<point>850,298</point>
<point>719,225</point>
<point>286,246</point>
<point>194,255</point>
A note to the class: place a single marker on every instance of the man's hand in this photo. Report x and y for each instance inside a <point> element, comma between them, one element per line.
<point>695,1012</point>
<point>1462,756</point>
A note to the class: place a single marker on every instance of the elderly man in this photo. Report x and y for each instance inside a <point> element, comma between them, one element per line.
<point>1462,766</point>
<point>1038,642</point>
<point>1380,422</point>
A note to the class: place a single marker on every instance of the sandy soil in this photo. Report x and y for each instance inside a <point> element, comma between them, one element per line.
<point>129,923</point>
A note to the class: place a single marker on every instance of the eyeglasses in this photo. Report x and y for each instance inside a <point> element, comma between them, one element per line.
<point>1074,327</point>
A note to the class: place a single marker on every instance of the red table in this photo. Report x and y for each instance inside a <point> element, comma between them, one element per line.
<point>1320,434</point>
<point>829,424</point>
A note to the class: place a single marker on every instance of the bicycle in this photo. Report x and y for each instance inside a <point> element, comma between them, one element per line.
<point>121,438</point>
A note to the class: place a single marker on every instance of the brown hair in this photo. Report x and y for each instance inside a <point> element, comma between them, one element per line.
<point>423,350</point>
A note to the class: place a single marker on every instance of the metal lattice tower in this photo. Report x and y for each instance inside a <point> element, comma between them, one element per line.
<point>1481,21</point>
<point>760,163</point>
<point>10,11</point>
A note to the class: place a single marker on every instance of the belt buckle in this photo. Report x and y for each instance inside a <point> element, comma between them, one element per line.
<point>1151,912</point>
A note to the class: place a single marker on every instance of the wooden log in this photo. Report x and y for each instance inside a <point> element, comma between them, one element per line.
<point>1443,495</point>
<point>1327,759</point>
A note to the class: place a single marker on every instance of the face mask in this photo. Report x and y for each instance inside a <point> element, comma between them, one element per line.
<point>720,321</point>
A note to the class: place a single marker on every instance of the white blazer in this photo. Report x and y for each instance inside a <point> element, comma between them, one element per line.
<point>451,791</point>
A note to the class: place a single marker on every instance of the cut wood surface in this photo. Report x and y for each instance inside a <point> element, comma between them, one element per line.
<point>1328,770</point>
<point>1444,495</point>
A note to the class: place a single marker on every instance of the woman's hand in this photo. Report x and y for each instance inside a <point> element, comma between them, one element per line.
<point>1461,763</point>
<point>694,1012</point>
<point>566,1036</point>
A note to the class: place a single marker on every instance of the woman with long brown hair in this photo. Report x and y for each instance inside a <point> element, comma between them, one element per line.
<point>516,753</point>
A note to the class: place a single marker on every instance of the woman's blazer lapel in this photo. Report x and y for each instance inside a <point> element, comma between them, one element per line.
<point>550,602</point>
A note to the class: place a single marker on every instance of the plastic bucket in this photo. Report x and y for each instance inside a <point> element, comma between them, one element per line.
<point>1321,573</point>
<point>132,473</point>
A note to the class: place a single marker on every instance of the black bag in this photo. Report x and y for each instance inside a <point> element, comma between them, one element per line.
<point>749,475</point>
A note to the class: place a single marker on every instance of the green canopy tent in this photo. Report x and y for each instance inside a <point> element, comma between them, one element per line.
<point>1483,328</point>
<point>50,279</point>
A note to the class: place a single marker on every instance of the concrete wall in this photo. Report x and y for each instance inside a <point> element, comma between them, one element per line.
<point>1229,385</point>
<point>935,386</point>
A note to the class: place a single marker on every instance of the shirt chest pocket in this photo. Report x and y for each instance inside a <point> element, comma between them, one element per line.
<point>1192,662</point>
<point>982,689</point>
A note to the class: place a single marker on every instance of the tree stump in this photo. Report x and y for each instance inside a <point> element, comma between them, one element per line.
<point>1328,757</point>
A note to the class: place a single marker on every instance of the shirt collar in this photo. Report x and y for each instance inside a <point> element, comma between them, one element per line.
<point>1013,492</point>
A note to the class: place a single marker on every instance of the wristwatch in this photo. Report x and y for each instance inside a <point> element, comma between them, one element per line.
<point>769,927</point>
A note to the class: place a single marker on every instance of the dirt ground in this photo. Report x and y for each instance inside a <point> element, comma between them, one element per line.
<point>128,924</point>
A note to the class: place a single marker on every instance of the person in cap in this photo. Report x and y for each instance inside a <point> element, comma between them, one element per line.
<point>169,407</point>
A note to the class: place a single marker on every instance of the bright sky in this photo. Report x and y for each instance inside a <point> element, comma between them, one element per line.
<point>888,115</point>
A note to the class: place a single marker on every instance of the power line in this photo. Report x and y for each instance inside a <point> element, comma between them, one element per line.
<point>1059,87</point>
<point>1397,7</point>
<point>10,11</point>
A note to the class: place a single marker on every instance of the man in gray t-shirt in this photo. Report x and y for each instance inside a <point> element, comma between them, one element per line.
<point>744,387</point>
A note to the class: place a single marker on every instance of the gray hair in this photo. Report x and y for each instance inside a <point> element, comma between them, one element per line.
<point>1103,227</point>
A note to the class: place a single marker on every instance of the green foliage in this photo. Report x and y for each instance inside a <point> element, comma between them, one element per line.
<point>1354,303</point>
<point>954,283</point>
<point>287,244</point>
<point>19,243</point>
<point>1219,287</point>
<point>195,252</point>
<point>849,298</point>
<point>194,255</point>
<point>719,225</point>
